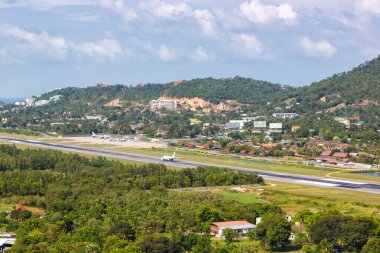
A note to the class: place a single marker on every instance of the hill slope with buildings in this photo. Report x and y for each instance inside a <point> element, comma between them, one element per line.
<point>243,90</point>
<point>359,87</point>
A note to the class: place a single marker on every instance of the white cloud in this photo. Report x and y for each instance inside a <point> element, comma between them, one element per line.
<point>320,48</point>
<point>247,44</point>
<point>167,54</point>
<point>103,49</point>
<point>119,7</point>
<point>164,10</point>
<point>260,13</point>
<point>206,21</point>
<point>201,54</point>
<point>59,47</point>
<point>372,6</point>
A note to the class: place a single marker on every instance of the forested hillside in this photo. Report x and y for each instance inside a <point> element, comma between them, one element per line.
<point>362,84</point>
<point>244,90</point>
<point>355,86</point>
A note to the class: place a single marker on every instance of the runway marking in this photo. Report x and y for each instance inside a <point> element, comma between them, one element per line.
<point>344,181</point>
<point>316,183</point>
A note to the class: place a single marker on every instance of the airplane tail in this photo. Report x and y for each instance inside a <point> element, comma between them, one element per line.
<point>93,134</point>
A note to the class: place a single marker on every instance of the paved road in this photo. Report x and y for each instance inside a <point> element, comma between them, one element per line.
<point>268,175</point>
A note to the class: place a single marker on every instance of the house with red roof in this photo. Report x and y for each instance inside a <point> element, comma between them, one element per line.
<point>243,152</point>
<point>340,155</point>
<point>240,227</point>
<point>227,150</point>
<point>21,208</point>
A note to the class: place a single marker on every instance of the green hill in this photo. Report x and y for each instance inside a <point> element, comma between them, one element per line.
<point>244,90</point>
<point>360,84</point>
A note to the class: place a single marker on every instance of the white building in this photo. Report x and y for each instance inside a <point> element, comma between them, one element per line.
<point>240,227</point>
<point>170,105</point>
<point>260,124</point>
<point>285,115</point>
<point>7,240</point>
<point>275,127</point>
<point>56,98</point>
<point>41,102</point>
<point>235,124</point>
<point>30,101</point>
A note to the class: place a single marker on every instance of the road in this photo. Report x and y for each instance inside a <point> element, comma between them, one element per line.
<point>267,175</point>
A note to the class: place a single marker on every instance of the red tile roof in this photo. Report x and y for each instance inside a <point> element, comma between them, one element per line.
<point>342,155</point>
<point>21,208</point>
<point>231,223</point>
<point>251,152</point>
<point>243,151</point>
<point>326,153</point>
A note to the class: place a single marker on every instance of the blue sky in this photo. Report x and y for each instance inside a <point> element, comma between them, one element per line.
<point>48,44</point>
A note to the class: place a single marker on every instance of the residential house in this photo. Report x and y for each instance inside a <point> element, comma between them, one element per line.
<point>7,240</point>
<point>295,128</point>
<point>243,152</point>
<point>240,227</point>
<point>251,152</point>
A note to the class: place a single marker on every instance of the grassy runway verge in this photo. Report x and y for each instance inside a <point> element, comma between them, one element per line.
<point>285,166</point>
<point>293,198</point>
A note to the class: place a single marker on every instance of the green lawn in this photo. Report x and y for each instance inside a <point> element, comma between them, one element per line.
<point>243,198</point>
<point>292,198</point>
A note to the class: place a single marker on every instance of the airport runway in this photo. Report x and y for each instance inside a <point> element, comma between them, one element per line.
<point>268,175</point>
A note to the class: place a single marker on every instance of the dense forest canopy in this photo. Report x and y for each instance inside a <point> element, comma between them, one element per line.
<point>100,205</point>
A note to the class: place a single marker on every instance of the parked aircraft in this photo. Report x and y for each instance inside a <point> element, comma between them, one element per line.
<point>168,158</point>
<point>101,136</point>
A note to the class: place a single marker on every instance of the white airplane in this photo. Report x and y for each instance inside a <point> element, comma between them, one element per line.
<point>94,135</point>
<point>168,158</point>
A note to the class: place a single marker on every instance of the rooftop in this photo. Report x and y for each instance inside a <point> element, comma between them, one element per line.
<point>232,224</point>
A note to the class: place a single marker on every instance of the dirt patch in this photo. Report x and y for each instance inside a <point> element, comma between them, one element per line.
<point>107,143</point>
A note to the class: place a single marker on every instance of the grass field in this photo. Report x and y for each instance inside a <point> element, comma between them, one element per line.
<point>293,198</point>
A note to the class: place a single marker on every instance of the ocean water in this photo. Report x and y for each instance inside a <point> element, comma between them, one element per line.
<point>11,100</point>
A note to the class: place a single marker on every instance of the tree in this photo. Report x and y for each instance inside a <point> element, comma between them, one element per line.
<point>124,230</point>
<point>327,228</point>
<point>273,231</point>
<point>372,246</point>
<point>229,235</point>
<point>156,244</point>
<point>21,214</point>
<point>356,232</point>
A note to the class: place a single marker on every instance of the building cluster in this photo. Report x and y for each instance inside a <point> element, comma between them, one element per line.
<point>157,105</point>
<point>258,126</point>
<point>34,102</point>
<point>349,121</point>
